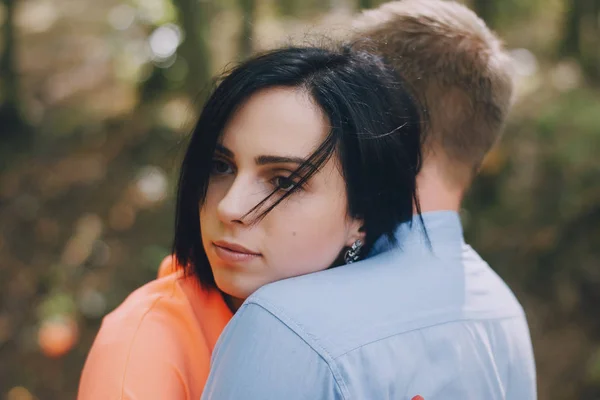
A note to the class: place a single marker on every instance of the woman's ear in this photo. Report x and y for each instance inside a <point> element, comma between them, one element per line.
<point>356,231</point>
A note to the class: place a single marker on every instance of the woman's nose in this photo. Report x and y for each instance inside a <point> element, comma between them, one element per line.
<point>237,202</point>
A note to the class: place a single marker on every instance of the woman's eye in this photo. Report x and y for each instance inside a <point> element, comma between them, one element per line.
<point>284,183</point>
<point>221,167</point>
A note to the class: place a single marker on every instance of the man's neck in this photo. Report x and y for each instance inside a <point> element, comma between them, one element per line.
<point>435,191</point>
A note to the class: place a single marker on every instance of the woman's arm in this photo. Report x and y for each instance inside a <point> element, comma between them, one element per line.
<point>138,353</point>
<point>141,370</point>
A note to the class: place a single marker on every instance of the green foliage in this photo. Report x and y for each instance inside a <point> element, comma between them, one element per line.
<point>57,304</point>
<point>301,8</point>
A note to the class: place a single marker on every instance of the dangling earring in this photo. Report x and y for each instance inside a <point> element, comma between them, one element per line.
<point>353,252</point>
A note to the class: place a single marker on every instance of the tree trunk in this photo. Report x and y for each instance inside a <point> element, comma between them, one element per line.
<point>246,38</point>
<point>590,39</point>
<point>365,4</point>
<point>581,36</point>
<point>569,46</point>
<point>11,119</point>
<point>7,63</point>
<point>194,19</point>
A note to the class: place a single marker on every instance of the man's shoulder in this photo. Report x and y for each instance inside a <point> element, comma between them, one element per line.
<point>384,296</point>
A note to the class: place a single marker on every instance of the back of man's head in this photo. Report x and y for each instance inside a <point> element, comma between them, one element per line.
<point>458,71</point>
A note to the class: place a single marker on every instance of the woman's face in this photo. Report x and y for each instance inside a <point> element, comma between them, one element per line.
<point>263,143</point>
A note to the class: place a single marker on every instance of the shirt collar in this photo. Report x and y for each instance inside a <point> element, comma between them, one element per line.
<point>443,229</point>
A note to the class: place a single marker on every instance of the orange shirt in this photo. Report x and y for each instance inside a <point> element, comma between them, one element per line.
<point>157,344</point>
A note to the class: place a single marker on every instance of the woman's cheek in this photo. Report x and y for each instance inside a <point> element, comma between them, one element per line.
<point>303,252</point>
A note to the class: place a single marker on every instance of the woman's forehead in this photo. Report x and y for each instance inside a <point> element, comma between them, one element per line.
<point>278,121</point>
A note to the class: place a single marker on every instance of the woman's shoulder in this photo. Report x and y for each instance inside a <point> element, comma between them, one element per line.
<point>171,296</point>
<point>155,297</point>
<point>152,312</point>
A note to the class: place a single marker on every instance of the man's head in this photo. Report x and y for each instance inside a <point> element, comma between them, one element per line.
<point>458,71</point>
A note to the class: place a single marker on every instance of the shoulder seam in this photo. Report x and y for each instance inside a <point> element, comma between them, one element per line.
<point>125,369</point>
<point>420,329</point>
<point>306,337</point>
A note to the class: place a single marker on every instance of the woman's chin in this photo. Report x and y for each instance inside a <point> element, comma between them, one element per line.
<point>234,289</point>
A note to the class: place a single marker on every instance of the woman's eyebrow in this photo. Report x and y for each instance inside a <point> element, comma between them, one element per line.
<point>263,160</point>
<point>224,151</point>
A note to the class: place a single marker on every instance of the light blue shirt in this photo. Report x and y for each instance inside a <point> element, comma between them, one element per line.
<point>434,321</point>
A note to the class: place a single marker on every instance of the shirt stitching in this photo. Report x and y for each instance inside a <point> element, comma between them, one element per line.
<point>423,327</point>
<point>304,336</point>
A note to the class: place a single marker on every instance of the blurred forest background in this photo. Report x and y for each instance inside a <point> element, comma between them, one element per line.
<point>96,100</point>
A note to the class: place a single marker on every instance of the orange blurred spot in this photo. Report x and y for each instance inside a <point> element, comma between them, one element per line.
<point>493,162</point>
<point>6,328</point>
<point>121,217</point>
<point>19,393</point>
<point>77,250</point>
<point>57,337</point>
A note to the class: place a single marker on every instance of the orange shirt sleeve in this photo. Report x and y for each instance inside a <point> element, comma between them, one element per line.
<point>135,356</point>
<point>135,373</point>
<point>157,344</point>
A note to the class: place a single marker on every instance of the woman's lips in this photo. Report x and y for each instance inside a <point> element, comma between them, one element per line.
<point>232,252</point>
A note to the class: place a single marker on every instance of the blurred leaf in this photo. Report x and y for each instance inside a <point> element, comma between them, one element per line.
<point>593,368</point>
<point>57,304</point>
<point>152,257</point>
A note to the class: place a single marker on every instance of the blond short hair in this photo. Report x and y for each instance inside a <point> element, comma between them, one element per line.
<point>457,69</point>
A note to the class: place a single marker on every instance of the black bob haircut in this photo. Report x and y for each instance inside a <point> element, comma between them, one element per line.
<point>375,132</point>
